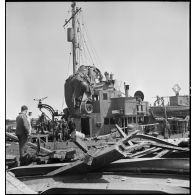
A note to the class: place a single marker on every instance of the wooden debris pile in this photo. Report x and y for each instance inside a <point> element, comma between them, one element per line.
<point>128,147</point>
<point>134,145</point>
<point>44,155</point>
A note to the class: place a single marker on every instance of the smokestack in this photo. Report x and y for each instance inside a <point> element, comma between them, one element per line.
<point>107,76</point>
<point>111,76</point>
<point>126,90</point>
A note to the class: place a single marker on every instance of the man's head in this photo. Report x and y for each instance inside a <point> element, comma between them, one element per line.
<point>29,113</point>
<point>24,109</point>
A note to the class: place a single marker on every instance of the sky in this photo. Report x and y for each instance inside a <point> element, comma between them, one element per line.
<point>145,44</point>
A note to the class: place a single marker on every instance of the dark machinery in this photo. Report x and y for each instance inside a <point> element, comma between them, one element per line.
<point>53,125</point>
<point>79,88</point>
<point>47,107</point>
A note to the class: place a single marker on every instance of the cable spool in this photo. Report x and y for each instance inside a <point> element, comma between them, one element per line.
<point>87,107</point>
<point>138,95</point>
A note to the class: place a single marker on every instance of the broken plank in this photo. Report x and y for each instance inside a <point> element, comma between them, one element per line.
<point>169,147</point>
<point>115,188</point>
<point>134,147</point>
<point>149,152</point>
<point>151,138</point>
<point>35,170</point>
<point>120,131</point>
<point>81,144</point>
<point>15,186</point>
<point>162,153</point>
<point>142,153</point>
<point>123,134</point>
<point>106,156</point>
<point>75,167</point>
<point>149,164</point>
<point>94,162</point>
<point>128,137</point>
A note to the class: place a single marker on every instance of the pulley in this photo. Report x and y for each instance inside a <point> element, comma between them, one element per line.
<point>87,107</point>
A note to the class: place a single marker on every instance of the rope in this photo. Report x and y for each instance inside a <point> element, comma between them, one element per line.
<point>68,12</point>
<point>83,48</point>
<point>88,51</point>
<point>93,48</point>
<point>87,36</point>
<point>81,42</point>
<point>85,43</point>
<point>68,64</point>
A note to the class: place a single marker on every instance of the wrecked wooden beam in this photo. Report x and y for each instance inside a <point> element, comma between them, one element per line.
<point>144,152</point>
<point>15,186</point>
<point>106,156</point>
<point>34,146</point>
<point>120,131</point>
<point>81,144</point>
<point>75,167</point>
<point>181,165</point>
<point>123,134</point>
<point>151,138</point>
<point>169,147</point>
<point>152,143</point>
<point>123,165</point>
<point>128,137</point>
<point>134,147</point>
<point>162,153</point>
<point>96,161</point>
<point>115,188</point>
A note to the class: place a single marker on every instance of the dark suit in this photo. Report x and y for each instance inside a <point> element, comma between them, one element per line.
<point>22,132</point>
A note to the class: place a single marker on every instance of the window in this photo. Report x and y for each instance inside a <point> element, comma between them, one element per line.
<point>140,120</point>
<point>106,121</point>
<point>105,96</point>
<point>129,120</point>
<point>112,121</point>
<point>95,97</point>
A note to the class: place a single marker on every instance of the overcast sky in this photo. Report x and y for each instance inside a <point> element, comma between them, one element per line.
<point>145,44</point>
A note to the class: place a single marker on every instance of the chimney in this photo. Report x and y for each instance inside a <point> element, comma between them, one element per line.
<point>107,76</point>
<point>126,90</point>
<point>111,76</point>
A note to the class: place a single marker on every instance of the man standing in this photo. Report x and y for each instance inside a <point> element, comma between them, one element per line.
<point>22,131</point>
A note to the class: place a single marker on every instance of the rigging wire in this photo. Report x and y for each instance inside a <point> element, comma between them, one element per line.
<point>90,55</point>
<point>69,63</point>
<point>85,43</point>
<point>88,39</point>
<point>88,50</point>
<point>83,47</point>
<point>93,48</point>
<point>68,12</point>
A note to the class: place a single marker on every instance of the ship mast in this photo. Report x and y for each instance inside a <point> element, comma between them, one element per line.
<point>71,32</point>
<point>74,36</point>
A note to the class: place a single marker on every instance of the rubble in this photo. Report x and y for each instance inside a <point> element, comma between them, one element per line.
<point>99,157</point>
